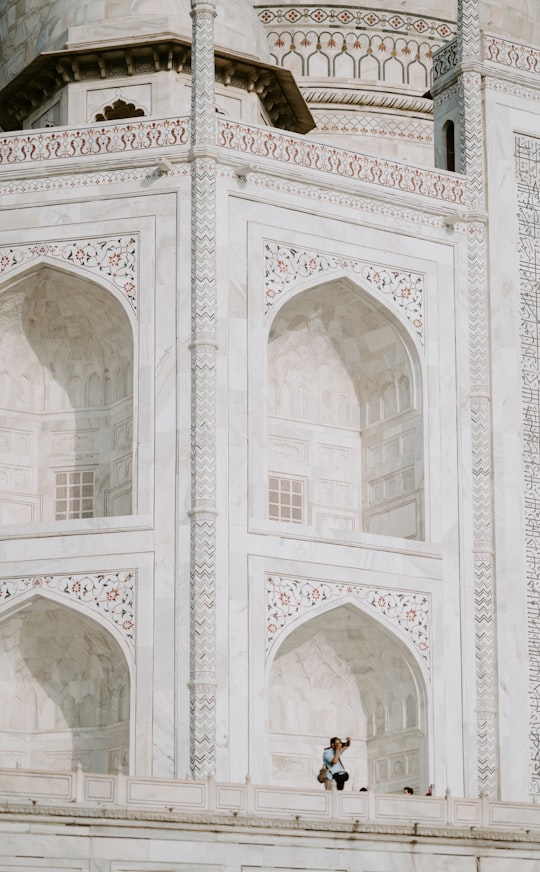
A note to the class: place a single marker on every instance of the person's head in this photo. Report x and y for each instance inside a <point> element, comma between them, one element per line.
<point>408,791</point>
<point>334,741</point>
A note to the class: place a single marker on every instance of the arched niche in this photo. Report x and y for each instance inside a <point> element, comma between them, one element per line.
<point>66,400</point>
<point>344,673</point>
<point>64,691</point>
<point>344,416</point>
<point>119,109</point>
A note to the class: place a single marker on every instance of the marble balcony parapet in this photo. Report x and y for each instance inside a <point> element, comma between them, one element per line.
<point>144,140</point>
<point>131,797</point>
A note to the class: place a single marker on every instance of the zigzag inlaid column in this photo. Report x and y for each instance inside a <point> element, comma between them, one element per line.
<point>472,160</point>
<point>203,394</point>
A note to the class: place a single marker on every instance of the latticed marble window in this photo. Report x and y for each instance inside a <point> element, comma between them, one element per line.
<point>285,499</point>
<point>74,494</point>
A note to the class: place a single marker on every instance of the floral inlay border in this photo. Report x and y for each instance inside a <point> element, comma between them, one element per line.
<point>284,266</point>
<point>112,595</point>
<point>358,18</point>
<point>114,259</point>
<point>287,597</point>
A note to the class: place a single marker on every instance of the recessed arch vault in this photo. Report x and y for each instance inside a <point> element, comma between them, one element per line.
<point>343,673</point>
<point>66,397</point>
<point>344,414</point>
<point>64,690</point>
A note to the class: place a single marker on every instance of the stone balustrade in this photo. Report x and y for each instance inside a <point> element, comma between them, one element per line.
<point>85,791</point>
<point>265,148</point>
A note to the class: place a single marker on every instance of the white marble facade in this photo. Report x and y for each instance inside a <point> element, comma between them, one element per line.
<point>286,489</point>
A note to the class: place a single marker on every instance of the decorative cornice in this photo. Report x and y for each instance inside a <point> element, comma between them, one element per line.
<point>51,71</point>
<point>514,837</point>
<point>374,124</point>
<point>114,259</point>
<point>258,179</point>
<point>512,88</point>
<point>360,97</point>
<point>58,182</point>
<point>110,594</point>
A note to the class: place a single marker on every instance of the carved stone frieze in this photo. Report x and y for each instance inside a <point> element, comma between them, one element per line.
<point>62,181</point>
<point>359,97</point>
<point>341,42</point>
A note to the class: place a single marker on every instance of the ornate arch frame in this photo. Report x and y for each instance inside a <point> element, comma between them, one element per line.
<point>385,606</point>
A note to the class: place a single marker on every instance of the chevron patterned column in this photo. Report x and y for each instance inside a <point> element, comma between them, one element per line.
<point>203,395</point>
<point>472,160</point>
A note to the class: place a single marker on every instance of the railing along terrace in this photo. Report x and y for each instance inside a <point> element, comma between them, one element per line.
<point>84,791</point>
<point>265,146</point>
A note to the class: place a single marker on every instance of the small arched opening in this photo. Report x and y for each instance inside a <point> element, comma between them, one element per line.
<point>344,673</point>
<point>449,138</point>
<point>119,109</point>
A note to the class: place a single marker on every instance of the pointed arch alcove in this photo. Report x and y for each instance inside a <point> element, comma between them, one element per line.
<point>344,673</point>
<point>344,415</point>
<point>64,691</point>
<point>66,399</point>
